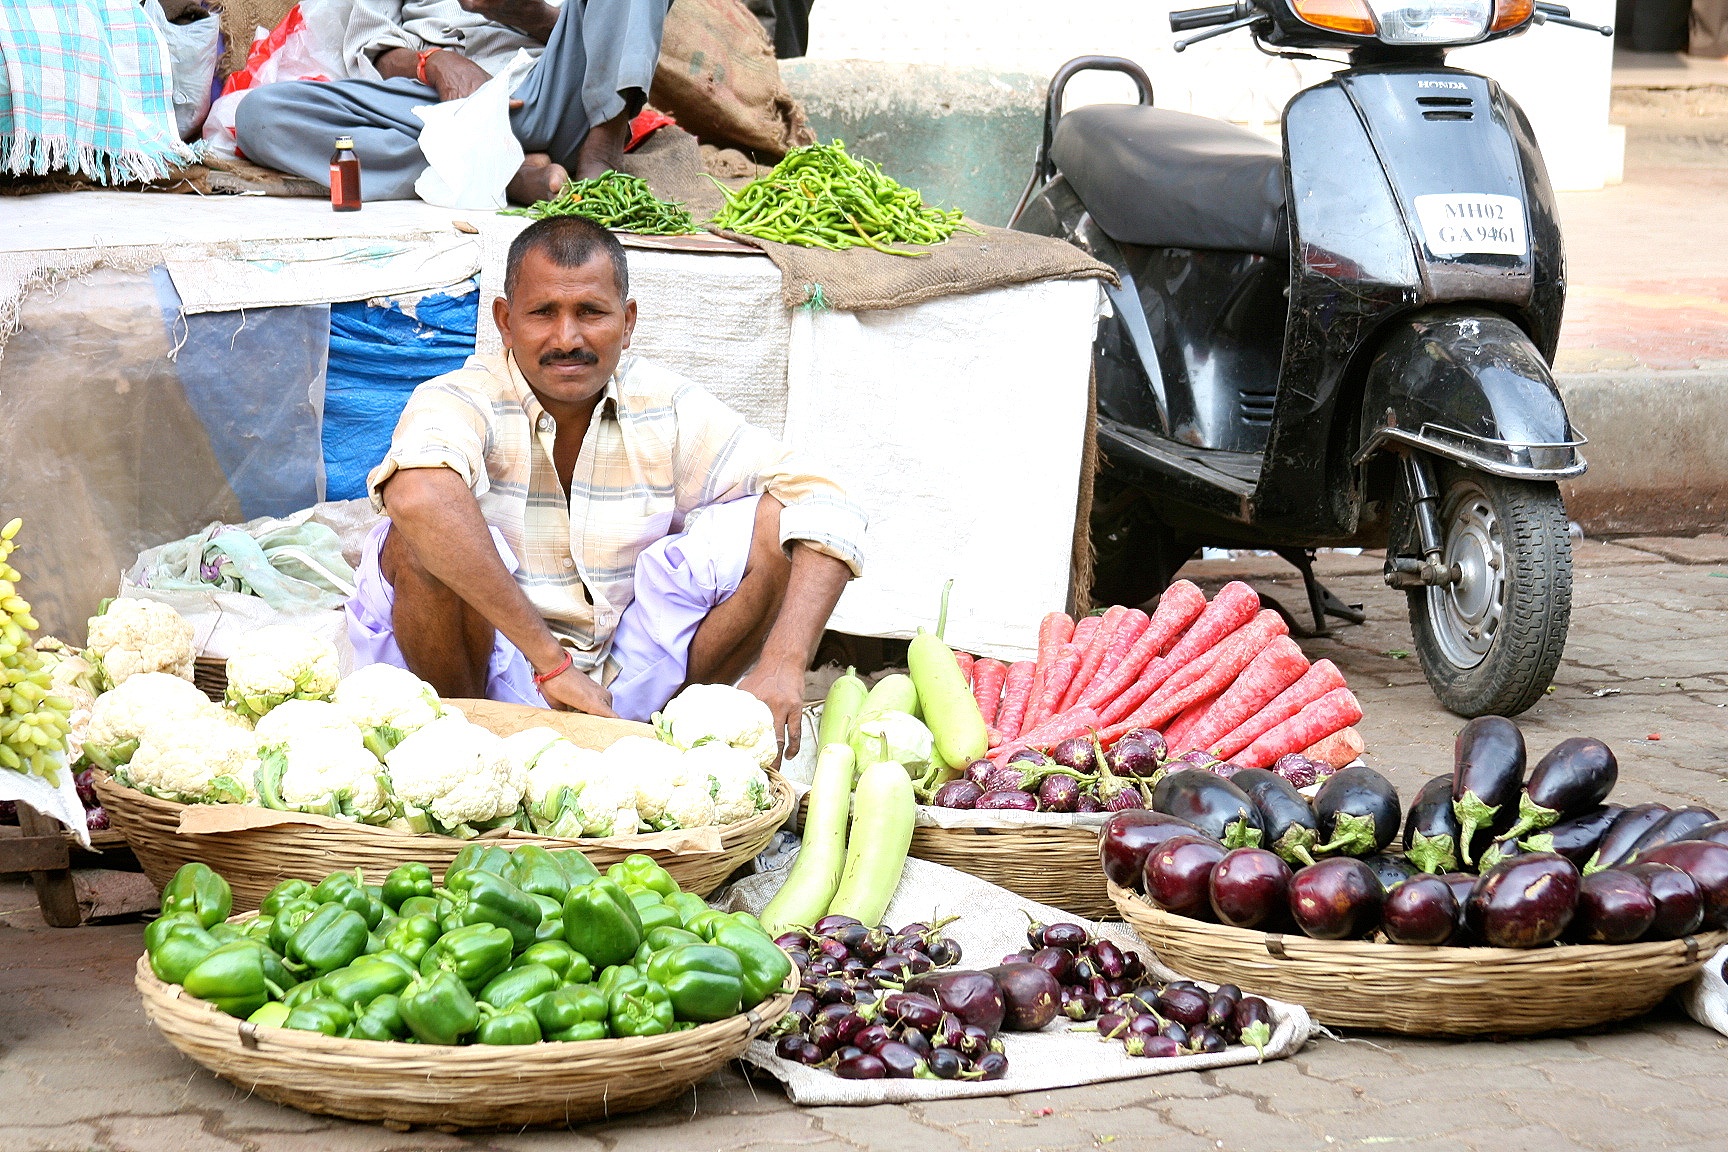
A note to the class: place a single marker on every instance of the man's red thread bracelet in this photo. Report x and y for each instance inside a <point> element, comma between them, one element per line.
<point>556,672</point>
<point>420,65</point>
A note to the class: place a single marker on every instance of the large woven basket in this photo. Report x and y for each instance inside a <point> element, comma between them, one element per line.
<point>1057,866</point>
<point>255,860</point>
<point>1427,991</point>
<point>478,1086</point>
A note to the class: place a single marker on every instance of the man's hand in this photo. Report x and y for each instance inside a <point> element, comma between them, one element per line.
<point>532,18</point>
<point>573,691</point>
<point>781,687</point>
<point>454,75</point>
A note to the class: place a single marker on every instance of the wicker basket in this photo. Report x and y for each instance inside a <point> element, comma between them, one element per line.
<point>210,676</point>
<point>1057,866</point>
<point>477,1086</point>
<point>1427,991</point>
<point>255,860</point>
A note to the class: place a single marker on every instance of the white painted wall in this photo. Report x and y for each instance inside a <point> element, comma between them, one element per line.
<point>1561,76</point>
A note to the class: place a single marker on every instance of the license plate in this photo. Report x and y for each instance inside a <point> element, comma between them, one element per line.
<point>1466,223</point>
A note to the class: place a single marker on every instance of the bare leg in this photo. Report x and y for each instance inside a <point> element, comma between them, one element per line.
<point>603,147</point>
<point>445,642</point>
<point>728,642</point>
<point>537,179</point>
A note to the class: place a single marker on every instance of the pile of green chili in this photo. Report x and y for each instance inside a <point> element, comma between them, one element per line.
<point>618,201</point>
<point>820,197</point>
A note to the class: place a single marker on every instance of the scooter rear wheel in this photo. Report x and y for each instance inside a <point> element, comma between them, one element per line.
<point>1489,644</point>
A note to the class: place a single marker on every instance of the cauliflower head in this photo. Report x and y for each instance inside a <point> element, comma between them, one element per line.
<point>277,663</point>
<point>735,781</point>
<point>133,636</point>
<point>324,770</point>
<point>557,773</point>
<point>199,758</point>
<point>292,717</point>
<point>458,775</point>
<point>652,768</point>
<point>121,718</point>
<point>705,712</point>
<point>690,805</point>
<point>389,704</point>
<point>606,806</point>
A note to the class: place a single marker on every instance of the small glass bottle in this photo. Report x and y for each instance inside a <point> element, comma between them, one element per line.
<point>344,177</point>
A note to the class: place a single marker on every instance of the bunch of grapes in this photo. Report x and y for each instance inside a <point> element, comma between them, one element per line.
<point>33,721</point>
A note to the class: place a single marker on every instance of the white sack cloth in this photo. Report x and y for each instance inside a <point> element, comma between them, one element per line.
<point>57,800</point>
<point>1706,997</point>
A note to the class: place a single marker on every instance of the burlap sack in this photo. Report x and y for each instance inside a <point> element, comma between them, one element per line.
<point>719,79</point>
<point>240,18</point>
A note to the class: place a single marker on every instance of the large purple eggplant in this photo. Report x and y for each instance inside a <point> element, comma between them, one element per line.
<point>1030,995</point>
<point>1357,811</point>
<point>1128,836</point>
<point>1220,809</point>
<point>974,997</point>
<point>1524,902</point>
<point>1290,825</point>
<point>1677,825</point>
<point>1717,832</point>
<point>1421,910</point>
<point>1614,907</point>
<point>1462,884</point>
<point>1431,828</point>
<point>1679,900</point>
<point>1575,776</point>
<point>1707,863</point>
<point>1616,844</point>
<point>1336,899</point>
<point>1179,875</point>
<point>1578,837</point>
<point>1487,776</point>
<point>1249,888</point>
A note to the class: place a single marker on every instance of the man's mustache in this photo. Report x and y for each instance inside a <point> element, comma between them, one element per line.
<point>570,356</point>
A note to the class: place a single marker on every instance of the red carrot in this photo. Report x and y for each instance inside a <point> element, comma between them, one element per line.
<point>1315,683</point>
<point>1178,607</point>
<point>966,661</point>
<point>1076,722</point>
<point>988,676</point>
<point>1279,665</point>
<point>1234,606</point>
<point>1093,654</point>
<point>1016,695</point>
<point>1133,625</point>
<point>1192,684</point>
<point>1054,630</point>
<point>993,737</point>
<point>1061,675</point>
<point>1336,710</point>
<point>1339,749</point>
<point>1084,629</point>
<point>1177,736</point>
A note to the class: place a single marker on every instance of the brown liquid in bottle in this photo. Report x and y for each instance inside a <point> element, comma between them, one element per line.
<point>344,177</point>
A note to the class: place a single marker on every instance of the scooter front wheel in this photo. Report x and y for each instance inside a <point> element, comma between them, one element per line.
<point>1489,642</point>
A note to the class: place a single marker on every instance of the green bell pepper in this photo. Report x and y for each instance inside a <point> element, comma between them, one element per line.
<point>393,957</point>
<point>473,953</point>
<point>301,993</point>
<point>176,945</point>
<point>687,905</point>
<point>330,939</point>
<point>320,1015</point>
<point>198,890</point>
<point>258,928</point>
<point>533,870</point>
<point>288,920</point>
<point>705,981</point>
<point>577,868</point>
<point>749,921</point>
<point>514,1025</point>
<point>707,923</point>
<point>643,955</point>
<point>765,963</point>
<point>281,894</point>
<point>601,923</point>
<point>641,873</point>
<point>519,985</point>
<point>225,932</point>
<point>380,1020</point>
<point>476,897</point>
<point>418,906</point>
<point>639,1007</point>
<point>412,936</point>
<point>271,1015</point>
<point>349,890</point>
<point>233,978</point>
<point>374,944</point>
<point>364,981</point>
<point>438,1009</point>
<point>484,857</point>
<point>551,919</point>
<point>574,1012</point>
<point>661,939</point>
<point>157,930</point>
<point>406,881</point>
<point>615,975</point>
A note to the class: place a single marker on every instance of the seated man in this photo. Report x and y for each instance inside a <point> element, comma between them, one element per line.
<point>572,113</point>
<point>571,525</point>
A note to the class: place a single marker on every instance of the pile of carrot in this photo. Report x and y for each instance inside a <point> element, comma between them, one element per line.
<point>1221,676</point>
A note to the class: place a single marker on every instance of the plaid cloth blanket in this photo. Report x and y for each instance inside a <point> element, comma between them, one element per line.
<point>85,87</point>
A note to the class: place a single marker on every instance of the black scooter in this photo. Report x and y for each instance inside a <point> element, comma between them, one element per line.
<point>1343,341</point>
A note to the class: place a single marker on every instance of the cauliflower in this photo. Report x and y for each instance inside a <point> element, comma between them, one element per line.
<point>557,772</point>
<point>735,781</point>
<point>197,758</point>
<point>292,717</point>
<point>279,663</point>
<point>689,806</point>
<point>389,704</point>
<point>607,807</point>
<point>120,719</point>
<point>704,712</point>
<point>653,768</point>
<point>457,775</point>
<point>324,770</point>
<point>132,636</point>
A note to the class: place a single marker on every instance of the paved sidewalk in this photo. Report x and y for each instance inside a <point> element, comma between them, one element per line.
<point>1646,669</point>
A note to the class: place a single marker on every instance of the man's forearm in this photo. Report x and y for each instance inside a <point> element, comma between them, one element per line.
<point>812,590</point>
<point>398,62</point>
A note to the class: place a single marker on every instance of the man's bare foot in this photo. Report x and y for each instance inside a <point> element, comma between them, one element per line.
<point>537,179</point>
<point>603,148</point>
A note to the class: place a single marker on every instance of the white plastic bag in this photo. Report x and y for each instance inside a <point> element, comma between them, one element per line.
<point>298,48</point>
<point>470,149</point>
<point>1706,997</point>
<point>193,49</point>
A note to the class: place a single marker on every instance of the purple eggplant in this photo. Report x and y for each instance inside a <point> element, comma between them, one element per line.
<point>1575,776</point>
<point>1336,899</point>
<point>1078,1004</point>
<point>1431,828</point>
<point>1707,863</point>
<point>96,819</point>
<point>1679,900</point>
<point>1059,962</point>
<point>1576,838</point>
<point>1300,771</point>
<point>957,794</point>
<point>1525,902</point>
<point>1357,811</point>
<point>1390,870</point>
<point>1059,794</point>
<point>1186,1006</point>
<point>1288,819</point>
<point>1127,837</point>
<point>1078,754</point>
<point>991,1066</point>
<point>1487,778</point>
<point>1421,910</point>
<point>1205,1039</point>
<point>1031,995</point>
<point>1249,886</point>
<point>978,772</point>
<point>1716,832</point>
<point>1500,850</point>
<point>1029,756</point>
<point>1462,884</point>
<point>1253,1023</point>
<point>972,996</point>
<point>1677,825</point>
<point>1614,907</point>
<point>1138,754</point>
<point>901,1061</point>
<point>1007,800</point>
<point>1220,809</point>
<point>1090,803</point>
<point>1616,844</point>
<point>1179,875</point>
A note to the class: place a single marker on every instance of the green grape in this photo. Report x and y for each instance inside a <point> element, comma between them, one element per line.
<point>33,721</point>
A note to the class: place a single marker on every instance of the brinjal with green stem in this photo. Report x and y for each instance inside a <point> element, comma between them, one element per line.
<point>1337,899</point>
<point>1575,776</point>
<point>1525,901</point>
<point>1617,843</point>
<point>1576,838</point>
<point>1357,812</point>
<point>1291,829</point>
<point>1213,804</point>
<point>1677,825</point>
<point>1431,828</point>
<point>1487,777</point>
<point>1421,910</point>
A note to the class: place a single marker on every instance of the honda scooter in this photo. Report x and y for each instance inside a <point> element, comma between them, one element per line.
<point>1344,340</point>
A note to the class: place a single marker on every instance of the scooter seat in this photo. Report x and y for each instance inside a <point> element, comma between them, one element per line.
<point>1166,179</point>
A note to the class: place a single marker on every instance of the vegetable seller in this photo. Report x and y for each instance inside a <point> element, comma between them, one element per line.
<point>595,62</point>
<point>571,525</point>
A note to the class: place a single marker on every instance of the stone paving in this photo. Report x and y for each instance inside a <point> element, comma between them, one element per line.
<point>1646,669</point>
